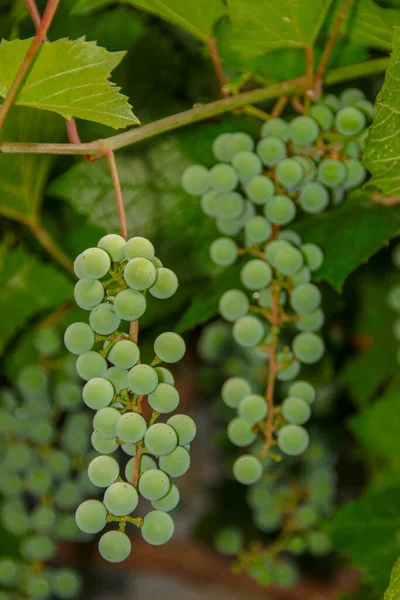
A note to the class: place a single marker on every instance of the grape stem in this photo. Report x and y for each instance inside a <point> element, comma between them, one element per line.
<point>44,238</point>
<point>393,200</point>
<point>41,32</point>
<point>196,114</point>
<point>217,64</point>
<point>309,94</point>
<point>278,107</point>
<point>110,156</point>
<point>330,44</point>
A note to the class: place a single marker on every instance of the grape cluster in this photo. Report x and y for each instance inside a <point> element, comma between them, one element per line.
<point>114,279</point>
<point>304,165</point>
<point>44,441</point>
<point>394,299</point>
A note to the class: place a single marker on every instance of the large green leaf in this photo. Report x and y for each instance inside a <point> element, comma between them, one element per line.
<point>369,24</point>
<point>393,591</point>
<point>197,17</point>
<point>70,78</point>
<point>260,26</point>
<point>382,153</point>
<point>29,287</point>
<point>23,176</point>
<point>367,531</point>
<point>349,235</point>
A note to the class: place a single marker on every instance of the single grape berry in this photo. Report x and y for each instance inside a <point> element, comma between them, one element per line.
<point>257,230</point>
<point>308,347</point>
<point>288,260</point>
<point>93,263</point>
<point>140,273</point>
<point>91,516</point>
<point>153,484</point>
<point>105,422</point>
<point>296,410</point>
<point>228,541</point>
<point>247,469</point>
<point>114,245</point>
<point>165,285</point>
<point>223,178</point>
<point>114,546</point>
<point>293,439</point>
<point>248,331</point>
<point>247,165</point>
<point>350,120</point>
<point>158,527</point>
<point>176,463</point>
<point>222,147</point>
<point>223,252</point>
<point>98,393</point>
<point>160,439</point>
<point>130,427</point>
<point>103,471</point>
<point>169,347</point>
<point>88,293</point>
<point>142,379</point>
<point>275,127</point>
<point>303,389</point>
<point>184,427</point>
<point>233,304</point>
<point>311,321</point>
<point>164,399</point>
<point>240,432</point>
<point>314,256</point>
<point>289,172</point>
<point>323,115</point>
<point>303,131</point>
<point>129,305</point>
<point>280,210</point>
<point>256,274</point>
<point>103,319</point>
<point>314,198</point>
<point>271,150</point>
<point>91,364</point>
<point>169,501</point>
<point>331,172</point>
<point>139,247</point>
<point>79,338</point>
<point>253,408</point>
<point>305,298</point>
<point>260,189</point>
<point>195,180</point>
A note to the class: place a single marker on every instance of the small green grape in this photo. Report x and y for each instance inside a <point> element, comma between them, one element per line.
<point>43,519</point>
<point>293,439</point>
<point>98,393</point>
<point>146,464</point>
<point>93,263</point>
<point>228,205</point>
<point>288,260</point>
<point>88,293</point>
<point>169,501</point>
<point>223,251</point>
<point>105,422</point>
<point>331,172</point>
<point>222,147</point>
<point>234,390</point>
<point>165,285</point>
<point>131,427</point>
<point>164,375</point>
<point>256,274</point>
<point>103,319</point>
<point>260,189</point>
<point>312,321</point>
<point>257,230</point>
<point>314,256</point>
<point>101,445</point>
<point>351,95</point>
<point>67,495</point>
<point>303,131</point>
<point>247,165</point>
<point>37,547</point>
<point>223,178</point>
<point>271,150</point>
<point>103,471</point>
<point>79,338</point>
<point>248,331</point>
<point>241,142</point>
<point>275,127</point>
<point>169,347</point>
<point>120,499</point>
<point>303,275</point>
<point>240,432</point>
<point>158,527</point>
<point>160,439</point>
<point>195,180</point>
<point>289,368</point>
<point>350,121</point>
<point>308,347</point>
<point>289,173</point>
<point>114,546</point>
<point>114,245</point>
<point>47,341</point>
<point>233,304</point>
<point>304,390</point>
<point>58,463</point>
<point>253,408</point>
<point>366,107</point>
<point>164,399</point>
<point>332,102</point>
<point>280,210</point>
<point>91,364</point>
<point>296,410</point>
<point>140,273</point>
<point>118,378</point>
<point>176,463</point>
<point>207,203</point>
<point>184,427</point>
<point>228,541</point>
<point>305,298</point>
<point>247,469</point>
<point>129,305</point>
<point>394,298</point>
<point>124,354</point>
<point>38,481</point>
<point>139,247</point>
<point>142,379</point>
<point>355,173</point>
<point>323,115</point>
<point>66,583</point>
<point>314,198</point>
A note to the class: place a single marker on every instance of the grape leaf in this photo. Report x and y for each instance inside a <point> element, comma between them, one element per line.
<point>70,78</point>
<point>393,591</point>
<point>29,287</point>
<point>369,24</point>
<point>197,17</point>
<point>382,152</point>
<point>260,26</point>
<point>23,176</point>
<point>349,235</point>
<point>367,530</point>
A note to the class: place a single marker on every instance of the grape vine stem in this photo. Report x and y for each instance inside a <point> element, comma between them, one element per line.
<point>41,32</point>
<point>44,238</point>
<point>196,114</point>
<point>110,156</point>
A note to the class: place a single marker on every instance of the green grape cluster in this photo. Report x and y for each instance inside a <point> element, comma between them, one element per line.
<point>44,441</point>
<point>393,299</point>
<point>114,279</point>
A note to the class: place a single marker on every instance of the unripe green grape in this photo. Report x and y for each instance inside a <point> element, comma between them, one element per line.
<point>146,464</point>
<point>275,127</point>
<point>158,528</point>
<point>222,147</point>
<point>98,393</point>
<point>228,541</point>
<point>288,260</point>
<point>253,408</point>
<point>88,293</point>
<point>394,298</point>
<point>366,107</point>
<point>352,149</point>
<point>293,439</point>
<point>223,252</point>
<point>67,495</point>
<point>309,168</point>
<point>303,131</point>
<point>257,229</point>
<point>268,520</point>
<point>289,172</point>
<point>280,210</point>
<point>43,519</point>
<point>247,165</point>
<point>12,485</point>
<point>223,178</point>
<point>332,102</point>
<point>66,583</point>
<point>323,115</point>
<point>14,518</point>
<point>114,546</point>
<point>207,203</point>
<point>103,471</point>
<point>241,142</point>
<point>228,205</point>
<point>331,172</point>
<point>140,273</point>
<point>164,399</point>
<point>9,572</point>
<point>169,347</point>
<point>101,445</point>
<point>160,439</point>
<point>37,547</point>
<point>47,341</point>
<point>355,173</point>
<point>240,432</point>
<point>139,247</point>
<point>303,275</point>
<point>304,390</point>
<point>41,432</point>
<point>118,378</point>
<point>260,189</point>
<point>312,321</point>
<point>176,463</point>
<point>58,463</point>
<point>308,347</point>
<point>247,469</point>
<point>165,285</point>
<point>142,379</point>
<point>265,301</point>
<point>248,331</point>
<point>124,354</point>
<point>153,484</point>
<point>93,263</point>
<point>91,364</point>
<point>169,501</point>
<point>305,298</point>
<point>164,375</point>
<point>297,545</point>
<point>289,367</point>
<point>17,457</point>
<point>233,304</point>
<point>319,543</point>
<point>131,427</point>
<point>114,245</point>
<point>296,410</point>
<point>286,575</point>
<point>37,587</point>
<point>229,226</point>
<point>306,517</point>
<point>256,274</point>
<point>314,256</point>
<point>184,427</point>
<point>314,198</point>
<point>38,481</point>
<point>79,338</point>
<point>350,121</point>
<point>195,180</point>
<point>105,422</point>
<point>272,247</point>
<point>129,305</point>
<point>120,499</point>
<point>351,95</point>
<point>271,150</point>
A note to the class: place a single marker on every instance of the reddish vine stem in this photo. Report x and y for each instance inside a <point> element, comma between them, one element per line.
<point>309,54</point>
<point>30,56</point>
<point>34,13</point>
<point>216,60</point>
<point>279,107</point>
<point>330,44</point>
<point>72,131</point>
<point>110,156</point>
